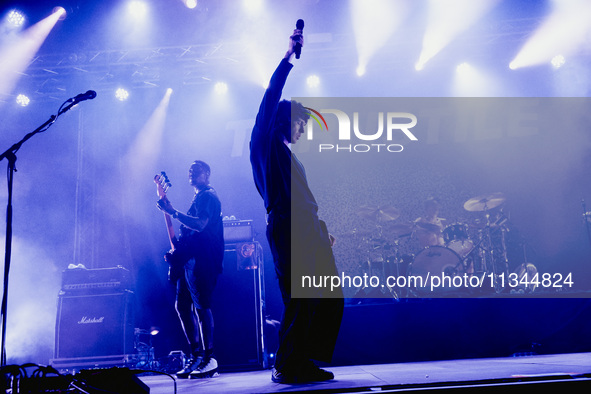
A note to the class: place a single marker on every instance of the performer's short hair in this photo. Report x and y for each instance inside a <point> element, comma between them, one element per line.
<point>203,166</point>
<point>285,110</point>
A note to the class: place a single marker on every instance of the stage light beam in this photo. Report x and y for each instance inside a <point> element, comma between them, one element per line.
<point>18,54</point>
<point>471,81</point>
<point>445,22</point>
<point>463,68</point>
<point>252,6</point>
<point>565,31</point>
<point>374,22</point>
<point>145,150</point>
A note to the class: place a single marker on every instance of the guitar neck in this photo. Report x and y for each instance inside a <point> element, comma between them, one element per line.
<point>170,230</point>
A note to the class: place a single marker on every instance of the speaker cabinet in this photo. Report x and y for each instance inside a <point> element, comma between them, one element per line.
<point>93,327</point>
<point>238,309</point>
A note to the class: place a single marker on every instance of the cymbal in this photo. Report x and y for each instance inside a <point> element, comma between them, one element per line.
<point>379,214</point>
<point>485,202</point>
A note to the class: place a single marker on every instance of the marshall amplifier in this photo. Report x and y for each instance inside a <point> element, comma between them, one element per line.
<point>94,329</point>
<point>101,280</point>
<point>238,231</point>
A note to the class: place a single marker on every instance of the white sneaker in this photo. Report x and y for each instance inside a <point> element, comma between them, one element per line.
<point>207,369</point>
<point>191,366</point>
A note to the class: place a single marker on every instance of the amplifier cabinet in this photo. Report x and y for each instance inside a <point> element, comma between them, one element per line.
<point>94,326</point>
<point>238,231</point>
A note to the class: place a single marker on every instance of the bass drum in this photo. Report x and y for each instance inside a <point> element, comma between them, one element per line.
<point>434,261</point>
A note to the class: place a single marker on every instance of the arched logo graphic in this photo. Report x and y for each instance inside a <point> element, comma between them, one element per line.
<point>316,119</point>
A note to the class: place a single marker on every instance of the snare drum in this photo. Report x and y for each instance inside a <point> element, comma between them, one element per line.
<point>456,238</point>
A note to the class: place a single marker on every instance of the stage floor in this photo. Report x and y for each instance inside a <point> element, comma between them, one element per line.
<point>567,372</point>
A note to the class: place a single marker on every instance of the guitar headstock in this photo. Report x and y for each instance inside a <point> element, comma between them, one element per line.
<point>162,184</point>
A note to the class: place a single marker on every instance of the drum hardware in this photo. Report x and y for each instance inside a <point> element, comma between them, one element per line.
<point>399,230</point>
<point>493,260</point>
<point>527,271</point>
<point>586,219</point>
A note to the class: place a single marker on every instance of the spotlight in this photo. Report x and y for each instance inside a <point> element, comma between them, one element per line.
<point>252,5</point>
<point>557,61</point>
<point>513,65</point>
<point>191,3</point>
<point>463,68</point>
<point>221,87</point>
<point>169,91</point>
<point>360,71</point>
<point>137,8</point>
<point>419,66</point>
<point>15,18</point>
<point>313,81</point>
<point>22,100</point>
<point>121,94</point>
<point>61,12</point>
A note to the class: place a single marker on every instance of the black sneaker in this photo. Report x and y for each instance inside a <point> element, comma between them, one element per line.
<point>308,373</point>
<point>311,373</point>
<point>208,368</point>
<point>283,377</point>
<point>191,366</point>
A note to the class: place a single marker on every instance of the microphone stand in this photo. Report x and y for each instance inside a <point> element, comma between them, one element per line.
<point>586,219</point>
<point>10,156</point>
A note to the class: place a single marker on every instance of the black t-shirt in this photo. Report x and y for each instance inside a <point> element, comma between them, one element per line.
<point>206,246</point>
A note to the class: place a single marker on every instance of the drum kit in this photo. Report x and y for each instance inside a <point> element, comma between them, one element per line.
<point>477,249</point>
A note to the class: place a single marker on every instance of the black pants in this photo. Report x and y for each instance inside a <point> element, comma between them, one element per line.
<point>309,326</point>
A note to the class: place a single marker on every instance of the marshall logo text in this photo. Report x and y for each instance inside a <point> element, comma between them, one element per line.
<point>91,320</point>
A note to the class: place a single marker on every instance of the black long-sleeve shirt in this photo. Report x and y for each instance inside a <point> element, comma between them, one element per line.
<point>279,176</point>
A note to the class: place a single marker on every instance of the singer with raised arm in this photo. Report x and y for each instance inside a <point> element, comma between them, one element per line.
<point>299,241</point>
<point>196,262</point>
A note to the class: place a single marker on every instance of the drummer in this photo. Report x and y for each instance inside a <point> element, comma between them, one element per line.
<point>429,227</point>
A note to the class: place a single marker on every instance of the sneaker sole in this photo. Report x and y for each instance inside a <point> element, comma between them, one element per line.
<point>211,374</point>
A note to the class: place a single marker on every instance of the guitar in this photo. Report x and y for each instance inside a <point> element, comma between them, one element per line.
<point>173,258</point>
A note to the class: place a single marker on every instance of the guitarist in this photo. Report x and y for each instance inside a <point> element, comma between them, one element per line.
<point>197,261</point>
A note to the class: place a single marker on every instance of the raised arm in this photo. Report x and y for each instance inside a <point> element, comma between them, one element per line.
<point>265,116</point>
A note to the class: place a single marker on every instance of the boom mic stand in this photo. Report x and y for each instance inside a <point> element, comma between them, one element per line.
<point>10,156</point>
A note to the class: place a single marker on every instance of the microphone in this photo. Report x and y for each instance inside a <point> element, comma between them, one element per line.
<point>89,95</point>
<point>298,46</point>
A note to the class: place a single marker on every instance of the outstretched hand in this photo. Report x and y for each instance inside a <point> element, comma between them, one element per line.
<point>296,38</point>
